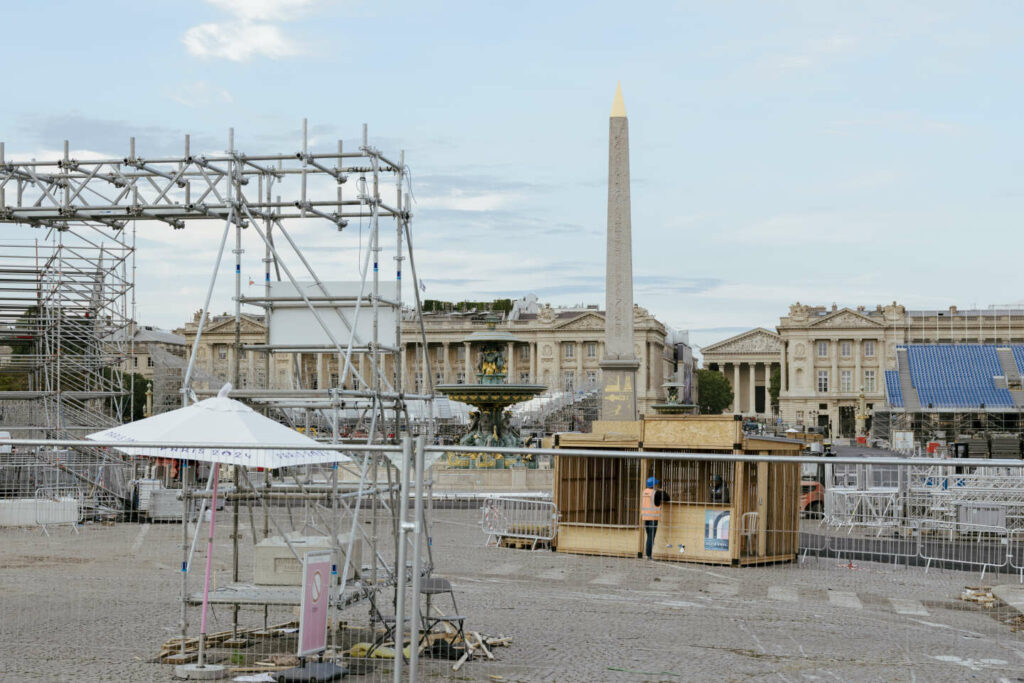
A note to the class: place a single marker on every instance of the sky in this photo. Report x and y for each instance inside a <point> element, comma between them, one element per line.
<point>824,152</point>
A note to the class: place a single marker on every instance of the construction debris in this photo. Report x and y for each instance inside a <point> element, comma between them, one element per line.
<point>981,595</point>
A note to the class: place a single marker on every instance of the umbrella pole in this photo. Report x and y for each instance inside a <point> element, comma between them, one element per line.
<point>209,564</point>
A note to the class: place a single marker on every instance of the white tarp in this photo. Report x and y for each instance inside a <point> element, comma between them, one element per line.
<point>293,324</point>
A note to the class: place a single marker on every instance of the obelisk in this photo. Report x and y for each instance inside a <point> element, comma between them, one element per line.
<point>619,365</point>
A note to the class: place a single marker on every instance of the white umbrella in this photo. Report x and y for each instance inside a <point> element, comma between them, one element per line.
<point>217,420</point>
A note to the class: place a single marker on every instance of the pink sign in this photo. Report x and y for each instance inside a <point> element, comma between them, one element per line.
<point>316,589</point>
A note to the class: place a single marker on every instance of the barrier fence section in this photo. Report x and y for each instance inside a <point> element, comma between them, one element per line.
<point>518,519</point>
<point>59,506</point>
<point>743,562</point>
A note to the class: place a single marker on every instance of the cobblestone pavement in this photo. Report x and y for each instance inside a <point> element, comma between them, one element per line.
<point>95,606</point>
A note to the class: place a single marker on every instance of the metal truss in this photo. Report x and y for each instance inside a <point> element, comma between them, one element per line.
<point>72,287</point>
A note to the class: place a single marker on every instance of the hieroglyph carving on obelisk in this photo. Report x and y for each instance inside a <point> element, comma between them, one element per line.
<point>619,365</point>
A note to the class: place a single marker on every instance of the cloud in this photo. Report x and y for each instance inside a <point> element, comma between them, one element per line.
<point>801,230</point>
<point>238,41</point>
<point>902,122</point>
<point>199,94</point>
<point>813,53</point>
<point>110,135</point>
<point>252,30</point>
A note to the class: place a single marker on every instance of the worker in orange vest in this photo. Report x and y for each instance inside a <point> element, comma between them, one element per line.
<point>650,512</point>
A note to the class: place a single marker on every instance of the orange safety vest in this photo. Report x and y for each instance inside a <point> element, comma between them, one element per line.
<point>648,510</point>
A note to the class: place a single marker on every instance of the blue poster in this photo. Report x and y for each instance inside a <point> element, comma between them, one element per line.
<point>716,529</point>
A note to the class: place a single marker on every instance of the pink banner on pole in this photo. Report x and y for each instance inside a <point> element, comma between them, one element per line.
<point>316,589</point>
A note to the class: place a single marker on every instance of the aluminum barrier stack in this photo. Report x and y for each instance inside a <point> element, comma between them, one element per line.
<point>526,521</point>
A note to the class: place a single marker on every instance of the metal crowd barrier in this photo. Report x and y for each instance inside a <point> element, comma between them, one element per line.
<point>531,520</point>
<point>59,506</point>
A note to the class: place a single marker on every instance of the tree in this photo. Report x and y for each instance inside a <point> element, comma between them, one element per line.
<point>713,392</point>
<point>776,385</point>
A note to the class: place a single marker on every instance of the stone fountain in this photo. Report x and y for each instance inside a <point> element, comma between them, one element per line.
<point>491,395</point>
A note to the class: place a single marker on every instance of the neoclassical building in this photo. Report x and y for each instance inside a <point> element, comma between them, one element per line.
<point>828,355</point>
<point>747,361</point>
<point>561,348</point>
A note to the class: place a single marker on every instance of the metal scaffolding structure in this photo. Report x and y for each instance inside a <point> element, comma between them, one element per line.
<point>66,300</point>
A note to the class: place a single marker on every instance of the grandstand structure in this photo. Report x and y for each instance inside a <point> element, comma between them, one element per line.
<point>956,393</point>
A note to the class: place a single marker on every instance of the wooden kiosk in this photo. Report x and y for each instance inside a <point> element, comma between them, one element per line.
<point>598,498</point>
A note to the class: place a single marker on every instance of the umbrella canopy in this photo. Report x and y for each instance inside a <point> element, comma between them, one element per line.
<point>219,420</point>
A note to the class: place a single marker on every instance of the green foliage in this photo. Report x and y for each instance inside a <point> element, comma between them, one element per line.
<point>713,392</point>
<point>26,326</point>
<point>133,406</point>
<point>775,385</point>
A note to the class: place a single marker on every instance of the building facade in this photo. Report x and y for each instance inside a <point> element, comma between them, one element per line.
<point>828,355</point>
<point>561,348</point>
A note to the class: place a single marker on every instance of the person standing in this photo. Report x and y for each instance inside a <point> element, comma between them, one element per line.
<point>650,512</point>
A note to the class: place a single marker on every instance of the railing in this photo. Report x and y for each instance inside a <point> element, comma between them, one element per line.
<point>534,521</point>
<point>58,506</point>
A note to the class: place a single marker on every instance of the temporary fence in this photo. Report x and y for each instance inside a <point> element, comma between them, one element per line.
<point>508,521</point>
<point>845,586</point>
<point>58,506</point>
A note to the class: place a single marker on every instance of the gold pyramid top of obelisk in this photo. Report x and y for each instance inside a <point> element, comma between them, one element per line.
<point>618,104</point>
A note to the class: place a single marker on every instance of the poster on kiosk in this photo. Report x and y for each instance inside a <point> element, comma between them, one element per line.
<point>316,589</point>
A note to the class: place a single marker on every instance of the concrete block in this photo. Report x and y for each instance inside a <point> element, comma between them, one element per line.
<point>275,565</point>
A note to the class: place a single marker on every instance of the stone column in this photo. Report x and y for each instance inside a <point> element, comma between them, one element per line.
<point>469,364</point>
<point>579,363</point>
<point>510,364</point>
<point>858,376</point>
<point>321,372</point>
<point>446,350</point>
<point>783,370</point>
<point>533,362</point>
<point>833,382</point>
<point>737,404</point>
<point>619,392</point>
<point>753,384</point>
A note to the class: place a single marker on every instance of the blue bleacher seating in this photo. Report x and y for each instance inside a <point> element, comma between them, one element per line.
<point>892,388</point>
<point>955,376</point>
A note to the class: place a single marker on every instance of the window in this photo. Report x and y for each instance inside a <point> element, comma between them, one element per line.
<point>460,352</point>
<point>869,380</point>
<point>822,349</point>
<point>438,378</point>
<point>524,377</point>
<point>460,378</point>
<point>569,350</point>
<point>822,380</point>
<point>222,351</point>
<point>569,381</point>
<point>149,361</point>
<point>845,381</point>
<point>592,378</point>
<point>591,349</point>
<point>334,380</point>
<point>844,349</point>
<point>135,361</point>
<point>313,383</point>
<point>869,348</point>
<point>418,382</point>
<point>524,352</point>
<point>799,417</point>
